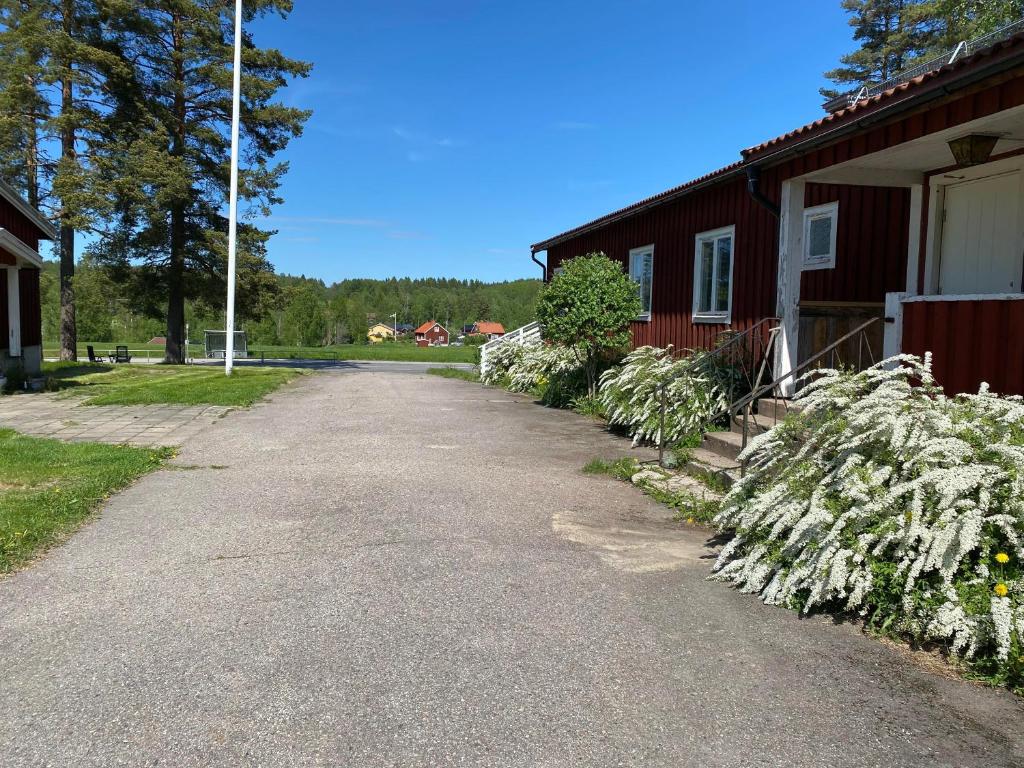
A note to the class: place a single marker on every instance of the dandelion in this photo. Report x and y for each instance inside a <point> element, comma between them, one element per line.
<point>1000,589</point>
<point>1002,557</point>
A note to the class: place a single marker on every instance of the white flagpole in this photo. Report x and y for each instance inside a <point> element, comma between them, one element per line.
<point>229,351</point>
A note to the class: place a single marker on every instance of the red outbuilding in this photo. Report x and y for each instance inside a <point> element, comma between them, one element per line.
<point>21,330</point>
<point>432,334</point>
<point>900,213</point>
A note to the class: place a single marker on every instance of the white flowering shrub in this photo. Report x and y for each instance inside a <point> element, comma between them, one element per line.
<point>631,392</point>
<point>887,498</point>
<point>501,360</point>
<point>554,371</point>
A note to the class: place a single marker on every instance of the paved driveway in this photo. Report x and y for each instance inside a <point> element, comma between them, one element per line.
<point>402,570</point>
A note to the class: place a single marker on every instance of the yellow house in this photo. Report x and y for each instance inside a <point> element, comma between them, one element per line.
<point>380,332</point>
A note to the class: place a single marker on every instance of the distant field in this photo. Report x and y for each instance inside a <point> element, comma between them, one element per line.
<point>396,352</point>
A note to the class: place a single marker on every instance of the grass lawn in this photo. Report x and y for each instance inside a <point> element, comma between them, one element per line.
<point>401,352</point>
<point>47,488</point>
<point>154,384</point>
<point>455,373</point>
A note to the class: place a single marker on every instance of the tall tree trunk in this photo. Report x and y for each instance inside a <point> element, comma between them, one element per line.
<point>68,328</point>
<point>31,151</point>
<point>174,349</point>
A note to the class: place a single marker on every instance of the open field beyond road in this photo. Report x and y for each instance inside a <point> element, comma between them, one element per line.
<point>402,352</point>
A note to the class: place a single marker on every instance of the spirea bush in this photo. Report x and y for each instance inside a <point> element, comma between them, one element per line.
<point>500,362</point>
<point>631,392</point>
<point>553,371</point>
<point>887,498</point>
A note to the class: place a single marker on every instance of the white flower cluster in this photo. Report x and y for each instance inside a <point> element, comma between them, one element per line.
<point>540,363</point>
<point>502,358</point>
<point>886,497</point>
<point>631,393</point>
<point>524,367</point>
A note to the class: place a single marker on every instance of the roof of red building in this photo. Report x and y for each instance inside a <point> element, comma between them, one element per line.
<point>823,127</point>
<point>884,99</point>
<point>428,325</point>
<point>485,326</point>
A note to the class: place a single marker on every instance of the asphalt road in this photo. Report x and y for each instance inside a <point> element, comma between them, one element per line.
<point>377,569</point>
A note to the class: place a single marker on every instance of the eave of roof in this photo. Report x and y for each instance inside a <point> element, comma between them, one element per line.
<point>642,205</point>
<point>43,224</point>
<point>818,131</point>
<point>1010,48</point>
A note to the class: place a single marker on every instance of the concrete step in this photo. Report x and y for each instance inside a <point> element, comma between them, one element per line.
<point>756,425</point>
<point>725,444</point>
<point>706,463</point>
<point>771,411</point>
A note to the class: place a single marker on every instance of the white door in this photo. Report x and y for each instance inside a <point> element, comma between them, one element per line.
<point>982,236</point>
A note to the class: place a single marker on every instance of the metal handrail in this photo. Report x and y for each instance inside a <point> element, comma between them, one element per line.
<point>743,404</point>
<point>718,351</point>
<point>753,396</point>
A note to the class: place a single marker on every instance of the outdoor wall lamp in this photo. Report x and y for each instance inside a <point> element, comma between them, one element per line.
<point>973,149</point>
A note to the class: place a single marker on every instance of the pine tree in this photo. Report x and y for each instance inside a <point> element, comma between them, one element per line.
<point>56,104</point>
<point>948,22</point>
<point>172,183</point>
<point>889,34</point>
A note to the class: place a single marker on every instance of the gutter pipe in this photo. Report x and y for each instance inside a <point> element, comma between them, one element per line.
<point>541,264</point>
<point>754,188</point>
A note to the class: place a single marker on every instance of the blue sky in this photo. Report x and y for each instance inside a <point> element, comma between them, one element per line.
<point>449,135</point>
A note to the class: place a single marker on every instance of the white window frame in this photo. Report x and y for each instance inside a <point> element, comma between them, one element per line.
<point>702,237</point>
<point>633,254</point>
<point>828,210</point>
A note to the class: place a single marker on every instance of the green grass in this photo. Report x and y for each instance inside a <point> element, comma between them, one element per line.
<point>47,488</point>
<point>157,384</point>
<point>455,373</point>
<point>400,352</point>
<point>622,469</point>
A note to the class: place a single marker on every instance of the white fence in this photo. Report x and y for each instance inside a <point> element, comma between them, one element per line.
<point>528,334</point>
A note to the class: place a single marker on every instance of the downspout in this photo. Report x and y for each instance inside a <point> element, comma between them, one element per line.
<point>754,188</point>
<point>540,264</point>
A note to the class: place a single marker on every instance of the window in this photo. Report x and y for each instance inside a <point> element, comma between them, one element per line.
<point>641,271</point>
<point>712,276</point>
<point>820,236</point>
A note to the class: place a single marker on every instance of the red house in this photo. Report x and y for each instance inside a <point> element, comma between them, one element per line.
<point>901,210</point>
<point>488,329</point>
<point>432,334</point>
<point>21,229</point>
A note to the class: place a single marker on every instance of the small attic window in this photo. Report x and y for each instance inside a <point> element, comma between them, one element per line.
<point>820,226</point>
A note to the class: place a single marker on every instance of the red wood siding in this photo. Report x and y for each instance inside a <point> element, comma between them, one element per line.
<point>15,222</point>
<point>970,342</point>
<point>31,311</point>
<point>31,315</point>
<point>4,326</point>
<point>871,244</point>
<point>673,228</point>
<point>434,337</point>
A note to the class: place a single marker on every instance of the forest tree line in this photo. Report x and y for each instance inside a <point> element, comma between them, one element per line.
<point>293,311</point>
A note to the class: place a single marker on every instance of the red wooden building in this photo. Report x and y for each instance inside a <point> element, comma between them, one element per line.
<point>21,229</point>
<point>905,203</point>
<point>432,334</point>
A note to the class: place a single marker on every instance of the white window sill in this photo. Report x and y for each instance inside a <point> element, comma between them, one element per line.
<point>809,266</point>
<point>712,319</point>
<point>643,318</point>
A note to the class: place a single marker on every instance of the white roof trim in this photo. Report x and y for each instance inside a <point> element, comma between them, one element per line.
<point>11,196</point>
<point>11,243</point>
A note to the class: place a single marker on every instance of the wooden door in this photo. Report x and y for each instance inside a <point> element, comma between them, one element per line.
<point>982,236</point>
